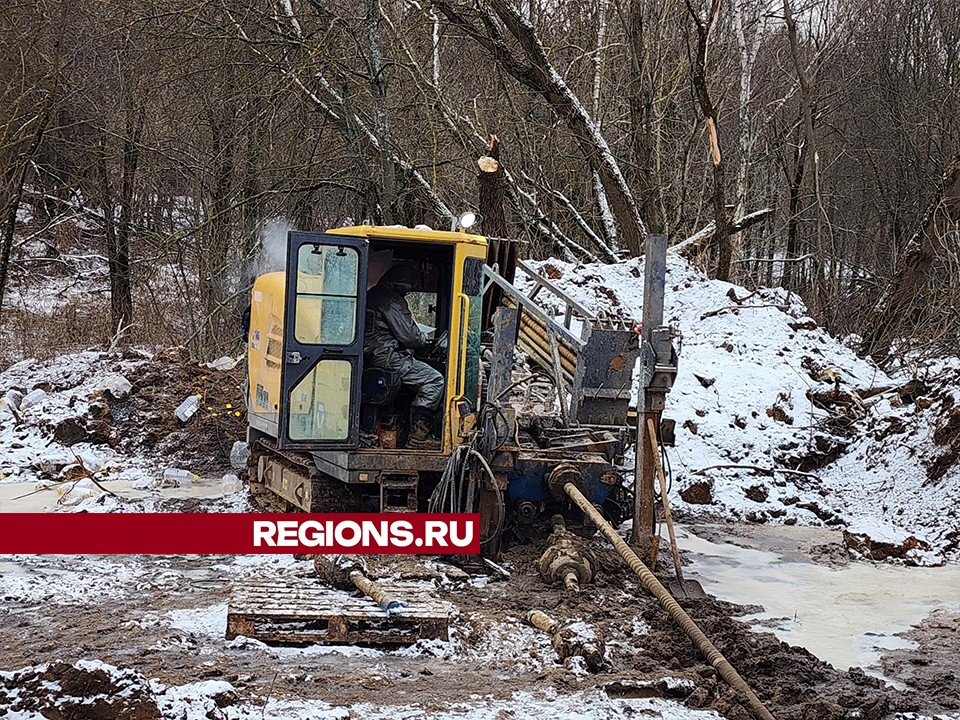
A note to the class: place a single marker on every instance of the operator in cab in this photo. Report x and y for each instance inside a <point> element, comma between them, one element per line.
<point>390,339</point>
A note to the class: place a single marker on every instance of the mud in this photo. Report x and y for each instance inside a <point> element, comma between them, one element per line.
<point>931,666</point>
<point>792,683</point>
<point>65,692</point>
<point>144,422</point>
<point>168,621</point>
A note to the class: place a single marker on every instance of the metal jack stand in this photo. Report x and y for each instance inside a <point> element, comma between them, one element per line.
<point>658,369</point>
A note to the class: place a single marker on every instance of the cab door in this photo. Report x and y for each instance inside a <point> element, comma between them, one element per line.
<point>326,288</point>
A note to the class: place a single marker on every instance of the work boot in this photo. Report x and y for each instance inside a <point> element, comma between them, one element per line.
<point>420,424</point>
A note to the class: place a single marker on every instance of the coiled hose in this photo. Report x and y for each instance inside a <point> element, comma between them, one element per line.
<point>666,600</point>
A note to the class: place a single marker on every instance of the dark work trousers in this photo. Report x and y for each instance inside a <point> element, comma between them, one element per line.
<point>424,379</point>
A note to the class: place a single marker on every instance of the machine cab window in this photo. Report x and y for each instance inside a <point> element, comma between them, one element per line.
<point>406,368</point>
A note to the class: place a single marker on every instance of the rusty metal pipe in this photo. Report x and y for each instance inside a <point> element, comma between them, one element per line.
<point>542,360</point>
<point>534,336</point>
<point>538,331</point>
<point>570,640</point>
<point>541,621</point>
<point>538,327</point>
<point>686,623</point>
<point>345,572</point>
<point>380,596</point>
<point>542,355</point>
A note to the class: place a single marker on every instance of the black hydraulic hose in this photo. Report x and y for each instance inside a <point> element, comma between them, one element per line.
<point>673,608</point>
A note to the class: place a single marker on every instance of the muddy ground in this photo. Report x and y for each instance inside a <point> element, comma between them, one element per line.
<point>164,617</point>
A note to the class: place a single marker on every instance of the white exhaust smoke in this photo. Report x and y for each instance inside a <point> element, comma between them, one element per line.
<point>273,246</point>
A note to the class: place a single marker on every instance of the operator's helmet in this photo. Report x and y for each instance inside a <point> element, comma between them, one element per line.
<point>402,278</point>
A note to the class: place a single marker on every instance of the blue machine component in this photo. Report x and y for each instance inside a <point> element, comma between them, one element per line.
<point>528,481</point>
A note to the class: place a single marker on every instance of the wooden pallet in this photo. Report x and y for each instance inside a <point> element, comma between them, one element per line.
<point>304,610</point>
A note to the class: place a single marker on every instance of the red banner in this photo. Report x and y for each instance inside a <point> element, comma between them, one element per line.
<point>238,533</point>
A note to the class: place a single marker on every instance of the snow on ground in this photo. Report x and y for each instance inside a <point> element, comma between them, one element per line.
<point>749,364</point>
<point>57,390</point>
<point>112,414</point>
<point>759,436</point>
<point>86,579</point>
<point>33,692</point>
<point>28,692</point>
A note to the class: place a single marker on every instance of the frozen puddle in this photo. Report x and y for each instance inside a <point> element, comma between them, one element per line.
<point>848,616</point>
<point>25,497</point>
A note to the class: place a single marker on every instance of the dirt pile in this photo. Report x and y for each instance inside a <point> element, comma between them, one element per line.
<point>762,391</point>
<point>78,692</point>
<point>905,550</point>
<point>93,690</point>
<point>115,412</point>
<point>144,421</point>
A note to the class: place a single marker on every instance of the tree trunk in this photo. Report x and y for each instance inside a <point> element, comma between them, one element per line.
<point>792,277</point>
<point>118,251</point>
<point>493,192</point>
<point>721,215</point>
<point>640,99</point>
<point>387,191</point>
<point>904,296</point>
<point>18,177</point>
<point>748,126</point>
<point>810,153</point>
<point>535,71</point>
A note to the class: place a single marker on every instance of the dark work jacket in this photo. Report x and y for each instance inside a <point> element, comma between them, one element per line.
<point>391,334</point>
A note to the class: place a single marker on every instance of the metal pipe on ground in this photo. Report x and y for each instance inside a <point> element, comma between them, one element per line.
<point>541,621</point>
<point>346,573</point>
<point>572,639</point>
<point>679,615</point>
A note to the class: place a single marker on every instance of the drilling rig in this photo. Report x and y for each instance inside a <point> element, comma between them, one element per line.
<point>533,400</point>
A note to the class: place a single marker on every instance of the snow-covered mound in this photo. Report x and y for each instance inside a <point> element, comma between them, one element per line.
<point>112,415</point>
<point>778,421</point>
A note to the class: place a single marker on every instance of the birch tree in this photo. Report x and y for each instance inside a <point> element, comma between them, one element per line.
<point>531,67</point>
<point>698,70</point>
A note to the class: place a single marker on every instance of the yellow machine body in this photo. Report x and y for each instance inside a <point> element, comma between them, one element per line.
<point>266,352</point>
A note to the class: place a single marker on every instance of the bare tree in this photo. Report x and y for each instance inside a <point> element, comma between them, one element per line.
<point>901,303</point>
<point>534,70</point>
<point>698,71</point>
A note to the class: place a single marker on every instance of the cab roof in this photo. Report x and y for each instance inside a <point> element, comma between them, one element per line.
<point>381,232</point>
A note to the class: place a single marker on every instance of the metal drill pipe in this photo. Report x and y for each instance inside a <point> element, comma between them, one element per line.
<point>538,328</point>
<point>666,601</point>
<point>540,358</point>
<point>529,337</point>
<point>542,621</point>
<point>369,587</point>
<point>539,331</point>
<point>533,345</point>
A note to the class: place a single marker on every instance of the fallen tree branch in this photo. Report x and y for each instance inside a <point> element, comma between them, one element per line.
<point>755,468</point>
<point>700,239</point>
<point>89,474</point>
<point>714,313</point>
